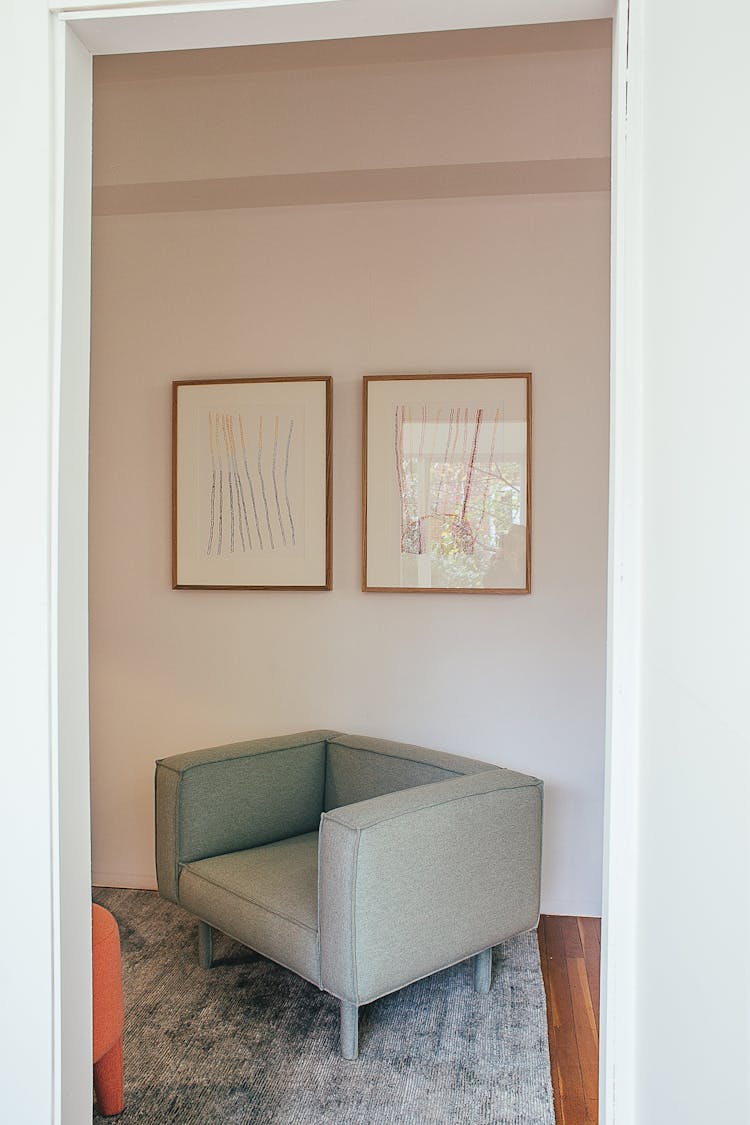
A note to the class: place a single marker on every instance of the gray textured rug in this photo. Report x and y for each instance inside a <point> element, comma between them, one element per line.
<point>248,1042</point>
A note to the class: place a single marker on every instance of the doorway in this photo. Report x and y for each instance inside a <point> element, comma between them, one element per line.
<point>70,48</point>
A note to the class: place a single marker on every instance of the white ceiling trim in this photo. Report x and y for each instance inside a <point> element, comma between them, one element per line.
<point>108,9</point>
<point>117,27</point>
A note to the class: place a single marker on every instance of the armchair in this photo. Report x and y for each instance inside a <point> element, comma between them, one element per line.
<point>360,864</point>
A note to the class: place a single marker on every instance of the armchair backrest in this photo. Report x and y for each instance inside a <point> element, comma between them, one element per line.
<point>228,798</point>
<point>358,768</point>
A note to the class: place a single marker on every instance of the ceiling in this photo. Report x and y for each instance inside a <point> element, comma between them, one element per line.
<point>114,27</point>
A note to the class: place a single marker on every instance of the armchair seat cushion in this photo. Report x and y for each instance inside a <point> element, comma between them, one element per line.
<point>265,897</point>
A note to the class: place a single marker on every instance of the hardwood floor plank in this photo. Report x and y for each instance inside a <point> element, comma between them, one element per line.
<point>592,1111</point>
<point>570,1077</point>
<point>555,936</point>
<point>582,1003</point>
<point>587,1036</point>
<point>569,1067</point>
<point>571,937</point>
<point>569,950</point>
<point>554,1068</point>
<point>541,937</point>
<point>590,931</point>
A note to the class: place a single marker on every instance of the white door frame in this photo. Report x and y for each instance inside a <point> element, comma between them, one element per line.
<point>47,678</point>
<point>617,1032</point>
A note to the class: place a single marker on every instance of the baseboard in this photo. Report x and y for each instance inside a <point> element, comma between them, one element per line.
<point>126,881</point>
<point>572,909</point>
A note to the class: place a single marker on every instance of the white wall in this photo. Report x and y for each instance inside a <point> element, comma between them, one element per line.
<point>72,696</point>
<point>513,283</point>
<point>29,1027</point>
<point>692,905</point>
<point>45,965</point>
<point>312,117</point>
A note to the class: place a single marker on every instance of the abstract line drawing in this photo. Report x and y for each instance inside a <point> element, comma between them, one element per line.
<point>252,483</point>
<point>239,489</point>
<point>448,499</point>
<point>212,503</point>
<point>262,482</point>
<point>221,489</point>
<point>447,483</point>
<point>249,482</point>
<point>227,507</point>
<point>273,476</point>
<point>230,482</point>
<point>286,481</point>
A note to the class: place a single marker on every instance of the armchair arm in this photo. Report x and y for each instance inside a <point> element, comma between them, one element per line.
<point>229,798</point>
<point>414,881</point>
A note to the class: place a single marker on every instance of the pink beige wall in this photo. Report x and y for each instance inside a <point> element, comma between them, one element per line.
<point>417,253</point>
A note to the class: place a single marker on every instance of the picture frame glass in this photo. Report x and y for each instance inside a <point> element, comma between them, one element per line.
<point>447,497</point>
<point>251,483</point>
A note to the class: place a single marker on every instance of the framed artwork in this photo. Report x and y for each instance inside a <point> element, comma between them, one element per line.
<point>447,483</point>
<point>251,484</point>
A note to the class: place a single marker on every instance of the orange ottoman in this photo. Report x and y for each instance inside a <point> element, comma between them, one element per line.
<point>108,1011</point>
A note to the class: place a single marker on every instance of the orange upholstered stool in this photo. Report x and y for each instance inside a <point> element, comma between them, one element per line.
<point>108,1012</point>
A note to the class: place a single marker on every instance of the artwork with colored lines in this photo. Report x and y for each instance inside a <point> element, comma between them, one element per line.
<point>250,460</point>
<point>461,494</point>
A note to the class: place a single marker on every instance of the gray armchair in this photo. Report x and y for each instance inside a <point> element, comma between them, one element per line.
<point>362,865</point>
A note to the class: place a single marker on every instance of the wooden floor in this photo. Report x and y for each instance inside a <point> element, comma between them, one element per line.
<point>570,952</point>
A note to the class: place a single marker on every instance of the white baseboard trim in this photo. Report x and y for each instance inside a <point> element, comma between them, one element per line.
<point>126,881</point>
<point>572,909</point>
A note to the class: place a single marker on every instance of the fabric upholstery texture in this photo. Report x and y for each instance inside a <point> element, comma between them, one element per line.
<point>229,798</point>
<point>359,767</point>
<point>108,1012</point>
<point>423,859</point>
<point>431,876</point>
<point>265,897</point>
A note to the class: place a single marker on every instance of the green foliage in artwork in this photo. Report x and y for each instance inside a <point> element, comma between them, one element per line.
<point>462,534</point>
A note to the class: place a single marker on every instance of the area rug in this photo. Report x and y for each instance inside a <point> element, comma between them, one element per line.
<point>249,1043</point>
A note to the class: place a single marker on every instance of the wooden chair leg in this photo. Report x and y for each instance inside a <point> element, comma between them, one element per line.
<point>108,1081</point>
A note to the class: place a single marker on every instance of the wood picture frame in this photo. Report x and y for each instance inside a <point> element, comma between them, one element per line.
<point>252,483</point>
<point>446,483</point>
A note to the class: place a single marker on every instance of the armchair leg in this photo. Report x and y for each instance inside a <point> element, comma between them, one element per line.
<point>349,1029</point>
<point>205,945</point>
<point>482,970</point>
